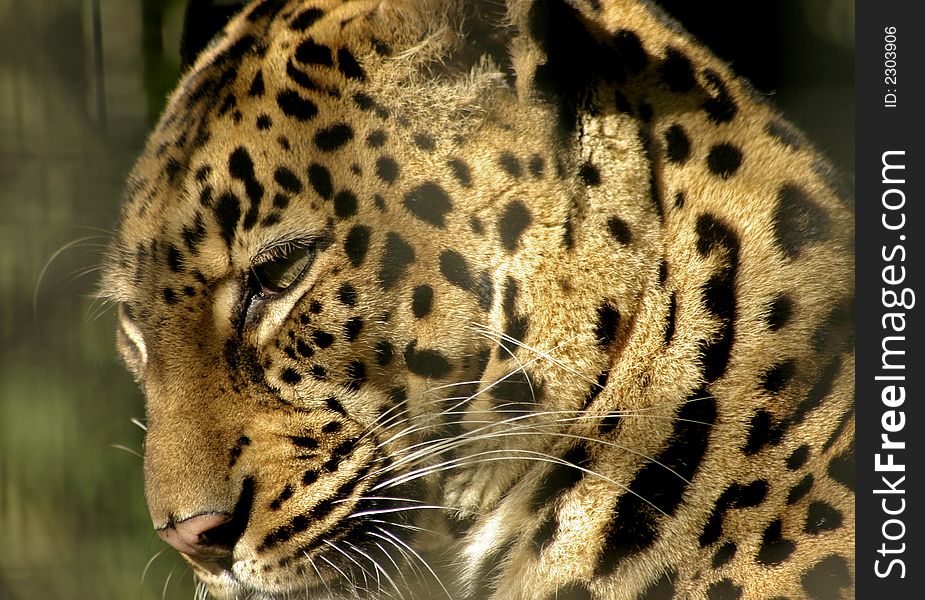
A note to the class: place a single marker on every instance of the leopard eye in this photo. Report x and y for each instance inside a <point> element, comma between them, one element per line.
<point>277,274</point>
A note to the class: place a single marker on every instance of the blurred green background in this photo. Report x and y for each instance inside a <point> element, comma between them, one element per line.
<point>80,83</point>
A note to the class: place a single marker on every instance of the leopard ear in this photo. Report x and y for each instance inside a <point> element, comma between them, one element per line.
<point>203,20</point>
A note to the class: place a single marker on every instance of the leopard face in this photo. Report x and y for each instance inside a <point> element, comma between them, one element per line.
<point>514,300</point>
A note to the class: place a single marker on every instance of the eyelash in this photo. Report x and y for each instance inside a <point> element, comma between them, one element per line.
<point>276,271</point>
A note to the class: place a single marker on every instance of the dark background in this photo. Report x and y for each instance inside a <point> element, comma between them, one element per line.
<point>80,83</point>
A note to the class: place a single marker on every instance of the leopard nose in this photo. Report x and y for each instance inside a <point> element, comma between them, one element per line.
<point>199,537</point>
<point>209,538</point>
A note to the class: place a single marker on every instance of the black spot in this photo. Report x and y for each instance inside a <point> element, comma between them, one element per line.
<point>290,376</point>
<point>455,269</point>
<point>424,141</point>
<point>227,213</point>
<point>661,589</point>
<point>257,88</point>
<point>662,272</point>
<point>510,164</point>
<point>287,180</point>
<point>300,77</point>
<point>516,328</point>
<point>429,202</point>
<point>561,478</point>
<point>724,160</point>
<point>320,179</point>
<point>376,138</point>
<point>677,71</point>
<point>670,319</point>
<point>384,352</point>
<point>311,53</point>
<point>304,349</point>
<point>798,220</point>
<point>622,103</point>
<point>774,548</point>
<point>319,372</point>
<point>720,108</point>
<point>333,137</point>
<point>825,580</point>
<point>608,321</point>
<point>725,553</point>
<point>777,377</point>
<point>315,307</point>
<point>799,491</point>
<point>724,589</point>
<point>835,333</point>
<point>356,244</point>
<point>645,111</point>
<point>174,259</point>
<point>356,373</point>
<point>426,363</point>
<point>619,230</point>
<point>304,442</point>
<point>170,296</point>
<point>352,328</point>
<point>345,204</point>
<point>516,393</point>
<point>779,312</point>
<point>734,496</point>
<point>309,477</point>
<point>821,516</point>
<point>305,19</point>
<point>475,224</point>
<point>509,298</point>
<point>761,432</point>
<point>536,166</point>
<point>590,175</point>
<point>284,495</point>
<point>841,468</point>
<point>241,167</point>
<point>295,106</point>
<point>652,493</point>
<point>347,64</point>
<point>798,458</point>
<point>364,101</point>
<point>514,219</point>
<point>334,405</point>
<point>678,147</point>
<point>397,256</point>
<point>630,49</point>
<point>322,339</point>
<point>331,427</point>
<point>264,122</point>
<point>679,200</point>
<point>422,300</point>
<point>281,201</point>
<point>381,48</point>
<point>347,295</point>
<point>597,387</point>
<point>819,392</point>
<point>785,133</point>
<point>387,169</point>
<point>460,171</point>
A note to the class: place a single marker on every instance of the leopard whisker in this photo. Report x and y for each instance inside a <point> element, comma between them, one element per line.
<point>482,458</point>
<point>423,562</point>
<point>496,336</point>
<point>398,570</point>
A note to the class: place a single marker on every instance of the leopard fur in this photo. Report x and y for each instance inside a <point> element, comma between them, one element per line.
<point>460,299</point>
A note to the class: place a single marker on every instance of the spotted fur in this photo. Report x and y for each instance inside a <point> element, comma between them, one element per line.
<point>514,300</point>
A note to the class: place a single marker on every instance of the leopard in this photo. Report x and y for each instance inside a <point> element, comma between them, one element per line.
<point>487,299</point>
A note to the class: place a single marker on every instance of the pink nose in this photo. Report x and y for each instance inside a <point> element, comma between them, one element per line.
<point>199,537</point>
